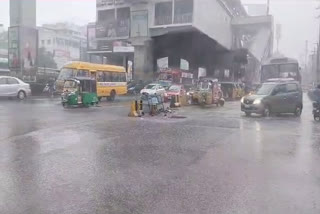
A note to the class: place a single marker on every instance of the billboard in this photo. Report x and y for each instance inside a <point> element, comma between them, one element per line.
<point>113,29</point>
<point>122,47</point>
<point>28,49</point>
<point>13,48</point>
<point>91,37</point>
<point>23,51</point>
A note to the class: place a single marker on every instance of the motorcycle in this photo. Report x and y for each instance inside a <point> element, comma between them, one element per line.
<point>316,111</point>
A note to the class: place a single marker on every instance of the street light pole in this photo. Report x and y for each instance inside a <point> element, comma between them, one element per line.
<point>268,7</point>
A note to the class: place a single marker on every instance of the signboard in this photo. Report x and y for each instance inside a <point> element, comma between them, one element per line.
<point>23,52</point>
<point>113,29</point>
<point>28,49</point>
<point>91,37</point>
<point>103,3</point>
<point>122,47</point>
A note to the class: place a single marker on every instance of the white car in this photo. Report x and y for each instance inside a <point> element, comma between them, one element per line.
<point>14,87</point>
<point>153,88</point>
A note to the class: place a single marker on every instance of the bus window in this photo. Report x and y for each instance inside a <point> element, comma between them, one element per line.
<point>123,77</point>
<point>108,76</point>
<point>66,73</point>
<point>269,72</point>
<point>289,70</point>
<point>100,76</point>
<point>82,73</point>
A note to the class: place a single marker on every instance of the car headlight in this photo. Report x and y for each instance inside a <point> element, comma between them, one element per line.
<point>257,102</point>
<point>242,99</point>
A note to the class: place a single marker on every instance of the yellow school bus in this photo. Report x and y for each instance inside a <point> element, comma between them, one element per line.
<point>111,79</point>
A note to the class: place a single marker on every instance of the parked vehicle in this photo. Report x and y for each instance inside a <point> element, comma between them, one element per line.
<point>153,88</point>
<point>232,90</point>
<point>165,84</point>
<point>170,76</point>
<point>135,88</point>
<point>79,92</point>
<point>14,87</point>
<point>316,111</point>
<point>175,90</point>
<point>208,92</point>
<point>314,95</point>
<point>274,97</point>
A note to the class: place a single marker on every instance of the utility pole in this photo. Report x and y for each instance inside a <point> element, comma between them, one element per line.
<point>268,7</point>
<point>306,56</point>
<point>318,49</point>
<point>318,53</point>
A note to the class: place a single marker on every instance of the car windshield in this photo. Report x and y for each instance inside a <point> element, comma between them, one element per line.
<point>164,83</point>
<point>265,89</point>
<point>175,88</point>
<point>151,86</point>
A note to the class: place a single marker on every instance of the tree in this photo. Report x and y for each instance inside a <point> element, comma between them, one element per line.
<point>45,59</point>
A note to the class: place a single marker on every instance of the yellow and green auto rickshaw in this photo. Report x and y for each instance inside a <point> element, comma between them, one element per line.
<point>79,92</point>
<point>208,92</point>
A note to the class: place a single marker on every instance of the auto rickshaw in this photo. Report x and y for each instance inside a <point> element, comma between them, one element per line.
<point>232,90</point>
<point>79,92</point>
<point>208,92</point>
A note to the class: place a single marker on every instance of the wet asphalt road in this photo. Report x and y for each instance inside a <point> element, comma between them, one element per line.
<point>97,160</point>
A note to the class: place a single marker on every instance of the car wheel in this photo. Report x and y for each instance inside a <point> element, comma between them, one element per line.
<point>316,118</point>
<point>266,111</point>
<point>298,111</point>
<point>21,95</point>
<point>248,114</point>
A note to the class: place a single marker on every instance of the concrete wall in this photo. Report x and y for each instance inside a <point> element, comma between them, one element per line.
<point>213,20</point>
<point>23,12</point>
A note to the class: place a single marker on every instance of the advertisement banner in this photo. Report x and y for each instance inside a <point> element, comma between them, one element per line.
<point>103,3</point>
<point>91,36</point>
<point>122,47</point>
<point>28,51</point>
<point>113,29</point>
<point>13,51</point>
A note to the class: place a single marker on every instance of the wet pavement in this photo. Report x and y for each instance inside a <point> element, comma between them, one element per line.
<point>97,160</point>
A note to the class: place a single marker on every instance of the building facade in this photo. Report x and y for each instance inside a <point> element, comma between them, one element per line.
<point>65,42</point>
<point>201,32</point>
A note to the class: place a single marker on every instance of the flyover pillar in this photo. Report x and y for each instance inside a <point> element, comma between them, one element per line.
<point>143,68</point>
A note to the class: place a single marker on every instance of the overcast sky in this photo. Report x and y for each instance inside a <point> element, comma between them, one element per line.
<point>298,18</point>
